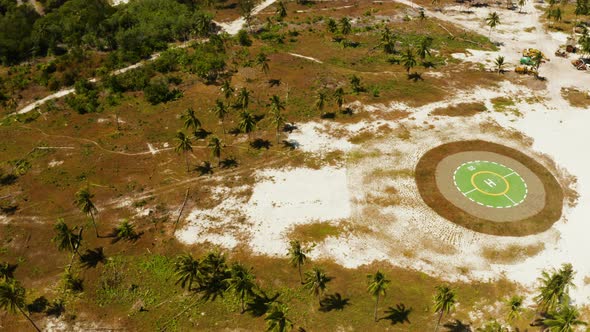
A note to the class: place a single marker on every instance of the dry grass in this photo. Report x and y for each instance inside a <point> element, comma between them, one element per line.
<point>512,254</point>
<point>462,109</point>
<point>314,232</point>
<point>576,97</point>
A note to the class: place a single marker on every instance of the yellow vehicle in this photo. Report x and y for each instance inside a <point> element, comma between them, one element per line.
<point>525,70</point>
<point>532,52</point>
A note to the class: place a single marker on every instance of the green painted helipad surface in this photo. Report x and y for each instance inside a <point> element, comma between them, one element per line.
<point>490,184</point>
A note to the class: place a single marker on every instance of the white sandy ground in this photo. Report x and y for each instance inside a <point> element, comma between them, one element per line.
<point>410,234</point>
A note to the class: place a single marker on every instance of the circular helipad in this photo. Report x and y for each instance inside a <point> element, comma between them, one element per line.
<point>490,184</point>
<point>489,188</point>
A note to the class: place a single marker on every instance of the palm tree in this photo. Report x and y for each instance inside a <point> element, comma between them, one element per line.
<point>355,81</point>
<point>444,302</point>
<point>262,61</point>
<point>556,14</point>
<point>276,106</point>
<point>276,319</point>
<point>187,270</point>
<point>66,239</point>
<point>125,230</point>
<point>331,26</point>
<point>492,21</point>
<point>220,111</point>
<point>521,4</point>
<point>281,10</point>
<point>424,47</point>
<point>320,101</point>
<point>7,271</point>
<point>409,59</point>
<point>316,281</point>
<point>388,41</point>
<point>247,123</point>
<point>564,320</point>
<point>227,89</point>
<point>83,200</point>
<point>499,62</point>
<point>339,97</point>
<point>554,289</point>
<point>345,26</point>
<point>377,286</point>
<point>190,120</point>
<point>12,298</point>
<point>241,282</point>
<point>514,307</point>
<point>216,146</point>
<point>243,99</point>
<point>298,256</point>
<point>184,145</point>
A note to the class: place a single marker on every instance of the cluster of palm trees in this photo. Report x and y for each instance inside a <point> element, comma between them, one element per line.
<point>232,99</point>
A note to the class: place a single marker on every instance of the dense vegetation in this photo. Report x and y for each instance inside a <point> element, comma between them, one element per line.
<point>134,30</point>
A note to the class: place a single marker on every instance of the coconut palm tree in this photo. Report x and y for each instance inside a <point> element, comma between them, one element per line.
<point>243,100</point>
<point>316,282</point>
<point>339,97</point>
<point>514,307</point>
<point>521,3</point>
<point>13,297</point>
<point>187,270</point>
<point>67,239</point>
<point>355,81</point>
<point>83,200</point>
<point>297,256</point>
<point>409,59</point>
<point>564,320</point>
<point>276,319</point>
<point>227,89</point>
<point>345,26</point>
<point>125,230</point>
<point>377,286</point>
<point>247,123</point>
<point>554,289</point>
<point>184,145</point>
<point>262,61</point>
<point>555,14</point>
<point>320,101</point>
<point>281,10</point>
<point>444,302</point>
<point>190,120</point>
<point>388,41</point>
<point>216,146</point>
<point>492,20</point>
<point>424,47</point>
<point>7,271</point>
<point>241,282</point>
<point>331,25</point>
<point>499,62</point>
<point>220,111</point>
<point>276,106</point>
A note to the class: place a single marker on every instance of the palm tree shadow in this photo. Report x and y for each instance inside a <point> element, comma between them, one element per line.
<point>116,238</point>
<point>260,304</point>
<point>457,326</point>
<point>415,76</point>
<point>333,302</point>
<point>260,143</point>
<point>7,270</point>
<point>92,257</point>
<point>398,315</point>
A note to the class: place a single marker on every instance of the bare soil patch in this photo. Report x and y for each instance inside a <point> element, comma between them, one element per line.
<point>576,97</point>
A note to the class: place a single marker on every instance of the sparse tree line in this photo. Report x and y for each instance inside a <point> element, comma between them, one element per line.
<point>212,276</point>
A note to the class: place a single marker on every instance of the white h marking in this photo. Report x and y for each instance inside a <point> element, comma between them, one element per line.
<point>490,183</point>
